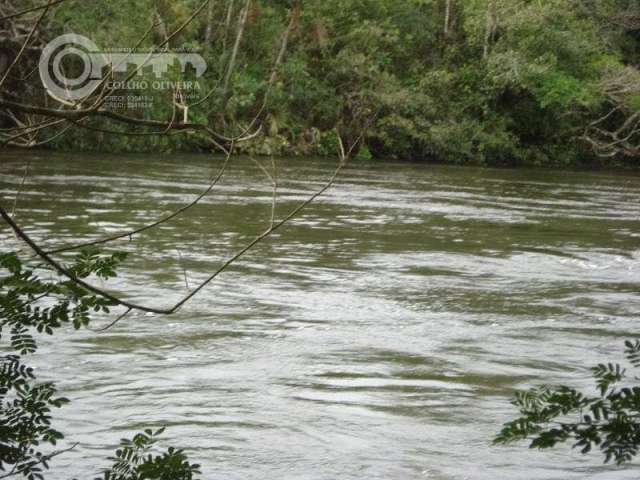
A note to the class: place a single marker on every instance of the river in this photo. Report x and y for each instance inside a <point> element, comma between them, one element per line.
<point>380,335</point>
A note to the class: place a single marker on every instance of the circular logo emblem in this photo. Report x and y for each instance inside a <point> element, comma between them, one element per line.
<point>52,73</point>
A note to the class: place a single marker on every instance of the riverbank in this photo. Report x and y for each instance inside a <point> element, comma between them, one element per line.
<point>589,163</point>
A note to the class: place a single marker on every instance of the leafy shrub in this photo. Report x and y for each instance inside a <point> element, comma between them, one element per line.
<point>31,305</point>
<point>608,421</point>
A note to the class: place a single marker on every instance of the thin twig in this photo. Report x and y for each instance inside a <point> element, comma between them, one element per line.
<point>184,270</point>
<point>30,130</point>
<point>275,191</point>
<point>168,311</point>
<point>33,143</point>
<point>112,324</point>
<point>24,179</point>
<point>274,183</point>
<point>263,236</point>
<point>66,273</point>
<point>165,219</point>
<point>43,459</point>
<point>32,9</point>
<point>26,42</point>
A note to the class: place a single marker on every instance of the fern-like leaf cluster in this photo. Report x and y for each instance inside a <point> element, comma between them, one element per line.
<point>609,421</point>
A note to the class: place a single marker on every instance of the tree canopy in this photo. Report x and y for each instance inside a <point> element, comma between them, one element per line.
<point>464,81</point>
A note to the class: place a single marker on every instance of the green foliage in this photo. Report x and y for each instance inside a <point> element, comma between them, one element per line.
<point>562,91</point>
<point>134,461</point>
<point>364,154</point>
<point>25,418</point>
<point>608,421</point>
<point>28,302</point>
<point>512,81</point>
<point>31,305</point>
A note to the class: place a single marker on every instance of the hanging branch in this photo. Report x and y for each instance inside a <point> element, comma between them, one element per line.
<point>79,115</point>
<point>41,460</point>
<point>66,273</point>
<point>269,231</point>
<point>59,268</point>
<point>117,320</point>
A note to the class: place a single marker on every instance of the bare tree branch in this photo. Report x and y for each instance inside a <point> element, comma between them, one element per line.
<point>617,132</point>
<point>15,200</point>
<point>43,459</point>
<point>26,42</point>
<point>79,115</point>
<point>59,268</point>
<point>32,9</point>
<point>165,219</point>
<point>118,319</point>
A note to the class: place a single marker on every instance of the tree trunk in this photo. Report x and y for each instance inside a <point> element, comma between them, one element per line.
<point>489,28</point>
<point>208,35</point>
<point>295,13</point>
<point>447,17</point>
<point>227,24</point>
<point>242,22</point>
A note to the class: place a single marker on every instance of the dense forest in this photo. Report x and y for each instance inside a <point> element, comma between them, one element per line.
<point>535,82</point>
